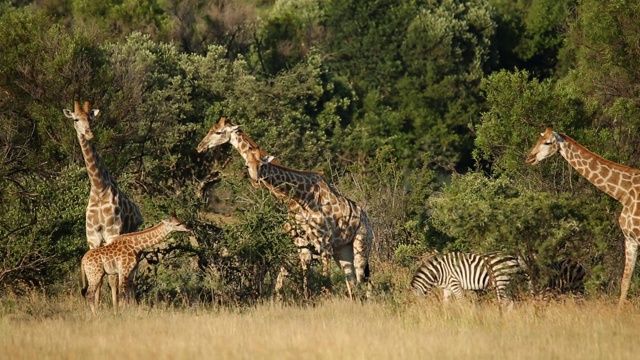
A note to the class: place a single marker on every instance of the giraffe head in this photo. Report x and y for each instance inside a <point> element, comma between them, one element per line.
<point>546,146</point>
<point>81,117</point>
<point>219,134</point>
<point>174,224</point>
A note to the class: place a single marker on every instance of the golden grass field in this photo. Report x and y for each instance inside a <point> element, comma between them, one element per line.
<point>332,329</point>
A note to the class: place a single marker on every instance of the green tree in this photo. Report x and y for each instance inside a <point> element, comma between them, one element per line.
<point>416,66</point>
<point>530,35</point>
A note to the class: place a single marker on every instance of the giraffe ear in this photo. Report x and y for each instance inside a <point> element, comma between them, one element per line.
<point>67,113</point>
<point>267,159</point>
<point>94,112</point>
<point>236,127</point>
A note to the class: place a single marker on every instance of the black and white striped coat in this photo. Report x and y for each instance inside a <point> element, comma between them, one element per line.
<point>565,277</point>
<point>456,272</point>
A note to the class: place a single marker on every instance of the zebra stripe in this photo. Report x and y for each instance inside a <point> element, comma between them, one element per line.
<point>566,277</point>
<point>456,272</point>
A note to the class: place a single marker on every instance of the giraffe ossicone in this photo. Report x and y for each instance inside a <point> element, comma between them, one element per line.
<point>618,181</point>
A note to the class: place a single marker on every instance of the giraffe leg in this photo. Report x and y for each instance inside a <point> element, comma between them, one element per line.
<point>122,289</point>
<point>113,284</point>
<point>325,257</point>
<point>92,298</point>
<point>305,262</point>
<point>131,286</point>
<point>631,254</point>
<point>344,258</point>
<point>282,275</point>
<point>305,255</point>
<point>361,250</point>
<point>93,291</point>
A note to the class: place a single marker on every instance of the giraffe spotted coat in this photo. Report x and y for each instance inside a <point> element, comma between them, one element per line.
<point>109,212</point>
<point>618,181</point>
<point>119,261</point>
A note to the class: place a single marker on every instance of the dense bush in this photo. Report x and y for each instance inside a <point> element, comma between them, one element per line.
<point>420,111</point>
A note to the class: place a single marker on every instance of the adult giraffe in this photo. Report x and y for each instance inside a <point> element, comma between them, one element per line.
<point>618,181</point>
<point>339,223</point>
<point>109,213</point>
<point>304,236</point>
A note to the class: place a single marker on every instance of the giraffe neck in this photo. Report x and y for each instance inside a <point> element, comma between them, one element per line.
<point>614,179</point>
<point>244,144</point>
<point>98,175</point>
<point>147,238</point>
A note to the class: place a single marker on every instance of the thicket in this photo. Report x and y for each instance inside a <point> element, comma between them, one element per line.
<point>421,111</point>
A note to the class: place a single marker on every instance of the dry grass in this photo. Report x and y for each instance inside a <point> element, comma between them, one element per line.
<point>334,329</point>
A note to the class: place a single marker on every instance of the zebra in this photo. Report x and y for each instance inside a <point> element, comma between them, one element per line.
<point>566,276</point>
<point>455,272</point>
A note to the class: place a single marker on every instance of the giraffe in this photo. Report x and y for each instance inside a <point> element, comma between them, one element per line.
<point>618,181</point>
<point>224,132</point>
<point>109,212</point>
<point>119,261</point>
<point>339,223</point>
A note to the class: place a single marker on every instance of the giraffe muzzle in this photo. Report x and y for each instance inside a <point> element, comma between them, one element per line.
<point>531,159</point>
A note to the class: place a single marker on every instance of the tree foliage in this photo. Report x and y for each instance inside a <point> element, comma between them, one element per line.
<point>421,111</point>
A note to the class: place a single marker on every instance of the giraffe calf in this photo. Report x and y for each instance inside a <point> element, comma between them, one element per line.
<point>119,260</point>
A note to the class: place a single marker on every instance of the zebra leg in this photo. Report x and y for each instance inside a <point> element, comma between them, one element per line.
<point>631,254</point>
<point>446,295</point>
<point>456,290</point>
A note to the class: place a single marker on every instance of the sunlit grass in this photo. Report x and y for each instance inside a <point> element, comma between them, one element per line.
<point>403,328</point>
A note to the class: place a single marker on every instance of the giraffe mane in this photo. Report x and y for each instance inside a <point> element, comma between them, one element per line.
<point>123,237</point>
<point>295,171</point>
<point>600,158</point>
<point>255,146</point>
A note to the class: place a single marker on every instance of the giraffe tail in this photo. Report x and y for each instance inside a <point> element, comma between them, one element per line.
<point>85,285</point>
<point>367,272</point>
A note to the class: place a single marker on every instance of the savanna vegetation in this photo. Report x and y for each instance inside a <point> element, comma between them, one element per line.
<point>420,111</point>
<point>337,328</point>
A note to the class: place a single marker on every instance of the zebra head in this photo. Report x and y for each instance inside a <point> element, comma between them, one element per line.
<point>421,284</point>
